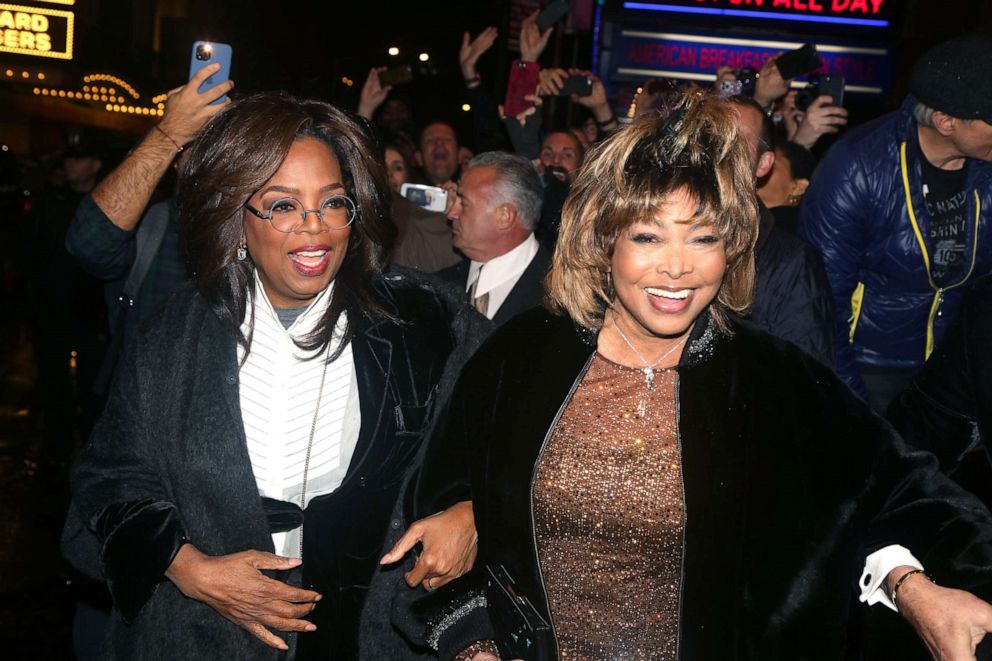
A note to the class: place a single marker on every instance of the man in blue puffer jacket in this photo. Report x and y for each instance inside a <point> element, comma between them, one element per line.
<point>900,211</point>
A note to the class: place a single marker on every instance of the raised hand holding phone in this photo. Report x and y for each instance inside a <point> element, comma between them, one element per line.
<point>206,53</point>
<point>187,109</point>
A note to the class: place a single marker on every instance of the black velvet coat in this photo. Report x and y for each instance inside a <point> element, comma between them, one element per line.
<point>790,482</point>
<point>168,462</point>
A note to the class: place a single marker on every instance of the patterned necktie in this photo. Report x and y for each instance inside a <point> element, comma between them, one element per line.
<point>480,303</point>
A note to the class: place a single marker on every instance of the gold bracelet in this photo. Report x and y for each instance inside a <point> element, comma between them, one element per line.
<point>895,588</point>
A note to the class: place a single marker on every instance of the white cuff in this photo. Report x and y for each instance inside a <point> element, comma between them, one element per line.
<point>878,565</point>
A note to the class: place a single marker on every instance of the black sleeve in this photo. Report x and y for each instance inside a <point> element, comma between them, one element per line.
<point>122,527</point>
<point>486,125</point>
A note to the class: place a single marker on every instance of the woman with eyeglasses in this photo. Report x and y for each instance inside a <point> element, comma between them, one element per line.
<point>243,481</point>
<point>654,478</point>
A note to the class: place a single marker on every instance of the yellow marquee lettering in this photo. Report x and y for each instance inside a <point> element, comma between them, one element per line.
<point>43,42</point>
<point>6,20</point>
<point>10,38</point>
<point>39,23</point>
<point>27,40</point>
<point>22,20</point>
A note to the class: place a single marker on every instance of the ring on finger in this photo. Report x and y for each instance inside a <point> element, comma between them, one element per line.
<point>430,583</point>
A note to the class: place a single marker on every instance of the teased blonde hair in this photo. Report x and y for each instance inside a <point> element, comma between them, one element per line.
<point>693,148</point>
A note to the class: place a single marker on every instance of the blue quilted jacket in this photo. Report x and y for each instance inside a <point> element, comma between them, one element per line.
<point>855,213</point>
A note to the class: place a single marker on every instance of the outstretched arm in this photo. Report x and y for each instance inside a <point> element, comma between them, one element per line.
<point>124,193</point>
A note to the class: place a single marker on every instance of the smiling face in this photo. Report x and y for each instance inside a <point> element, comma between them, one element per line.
<point>666,271</point>
<point>295,267</point>
<point>439,152</point>
<point>562,150</point>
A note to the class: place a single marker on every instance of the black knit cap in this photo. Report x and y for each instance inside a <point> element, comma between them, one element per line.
<point>956,78</point>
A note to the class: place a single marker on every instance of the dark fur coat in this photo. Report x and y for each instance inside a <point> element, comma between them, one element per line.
<point>790,482</point>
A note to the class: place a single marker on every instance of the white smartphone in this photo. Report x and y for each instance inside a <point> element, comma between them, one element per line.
<point>431,198</point>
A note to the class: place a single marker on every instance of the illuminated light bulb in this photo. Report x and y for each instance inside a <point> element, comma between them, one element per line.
<point>25,74</point>
<point>117,108</point>
<point>61,93</point>
<point>9,72</point>
<point>41,76</point>
<point>109,107</point>
<point>424,57</point>
<point>466,107</point>
<point>37,91</point>
<point>394,51</point>
<point>87,97</point>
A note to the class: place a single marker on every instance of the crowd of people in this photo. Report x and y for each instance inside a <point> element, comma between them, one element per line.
<point>652,387</point>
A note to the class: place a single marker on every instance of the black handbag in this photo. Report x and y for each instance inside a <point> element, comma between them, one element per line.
<point>521,631</point>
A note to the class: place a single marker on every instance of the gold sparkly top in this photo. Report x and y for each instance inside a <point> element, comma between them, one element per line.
<point>609,515</point>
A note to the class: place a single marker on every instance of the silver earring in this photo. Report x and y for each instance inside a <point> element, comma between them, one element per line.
<point>242,251</point>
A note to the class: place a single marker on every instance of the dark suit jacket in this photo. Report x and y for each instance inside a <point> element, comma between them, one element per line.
<point>168,463</point>
<point>526,294</point>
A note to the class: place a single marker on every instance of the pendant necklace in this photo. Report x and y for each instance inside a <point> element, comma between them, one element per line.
<point>648,368</point>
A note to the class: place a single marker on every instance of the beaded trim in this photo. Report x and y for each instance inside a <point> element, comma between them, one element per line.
<point>437,630</point>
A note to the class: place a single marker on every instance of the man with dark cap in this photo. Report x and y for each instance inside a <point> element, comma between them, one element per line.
<point>900,210</point>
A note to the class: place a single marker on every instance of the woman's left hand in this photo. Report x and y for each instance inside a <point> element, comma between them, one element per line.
<point>951,622</point>
<point>449,540</point>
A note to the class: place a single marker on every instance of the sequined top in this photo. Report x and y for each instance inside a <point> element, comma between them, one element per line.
<point>609,516</point>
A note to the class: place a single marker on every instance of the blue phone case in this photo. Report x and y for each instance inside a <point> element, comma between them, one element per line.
<point>219,53</point>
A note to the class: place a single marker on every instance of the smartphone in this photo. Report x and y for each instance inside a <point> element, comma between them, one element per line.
<point>796,62</point>
<point>431,198</point>
<point>209,52</point>
<point>523,82</point>
<point>396,75</point>
<point>552,14</point>
<point>832,86</point>
<point>577,85</point>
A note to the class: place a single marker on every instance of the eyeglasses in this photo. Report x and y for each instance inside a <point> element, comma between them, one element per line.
<point>288,214</point>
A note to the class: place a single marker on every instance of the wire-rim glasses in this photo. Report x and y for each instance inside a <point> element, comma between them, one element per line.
<point>288,215</point>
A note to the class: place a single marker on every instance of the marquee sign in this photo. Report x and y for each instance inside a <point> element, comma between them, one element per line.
<point>638,55</point>
<point>37,31</point>
<point>867,13</point>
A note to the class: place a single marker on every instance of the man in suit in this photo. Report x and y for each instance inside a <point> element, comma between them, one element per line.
<point>493,215</point>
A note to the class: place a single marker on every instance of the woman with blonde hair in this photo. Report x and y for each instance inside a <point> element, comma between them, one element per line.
<point>653,478</point>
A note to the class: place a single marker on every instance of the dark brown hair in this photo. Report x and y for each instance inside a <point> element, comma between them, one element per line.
<point>236,153</point>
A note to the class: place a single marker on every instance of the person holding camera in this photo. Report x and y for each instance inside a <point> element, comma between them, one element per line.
<point>900,210</point>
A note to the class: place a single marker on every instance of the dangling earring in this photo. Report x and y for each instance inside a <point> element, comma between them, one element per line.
<point>610,293</point>
<point>242,251</point>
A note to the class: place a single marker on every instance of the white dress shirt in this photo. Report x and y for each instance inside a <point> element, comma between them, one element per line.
<point>278,393</point>
<point>877,568</point>
<point>501,274</point>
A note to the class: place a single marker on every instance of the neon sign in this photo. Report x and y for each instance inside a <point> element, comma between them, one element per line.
<point>639,55</point>
<point>867,13</point>
<point>37,31</point>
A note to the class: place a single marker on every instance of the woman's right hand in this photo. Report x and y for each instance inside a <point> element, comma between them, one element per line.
<point>234,586</point>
